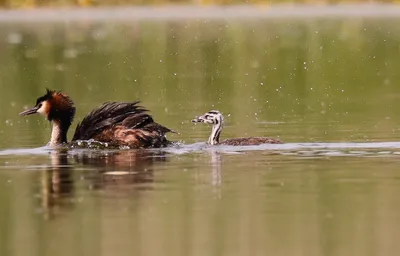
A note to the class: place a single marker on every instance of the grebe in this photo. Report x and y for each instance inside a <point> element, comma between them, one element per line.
<point>215,118</point>
<point>116,123</point>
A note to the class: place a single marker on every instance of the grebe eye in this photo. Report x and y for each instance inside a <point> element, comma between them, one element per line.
<point>40,105</point>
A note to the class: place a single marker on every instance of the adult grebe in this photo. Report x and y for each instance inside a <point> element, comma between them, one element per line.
<point>215,118</point>
<point>116,123</point>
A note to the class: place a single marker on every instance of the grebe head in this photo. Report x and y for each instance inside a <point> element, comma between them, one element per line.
<point>57,107</point>
<point>211,117</point>
<point>53,105</point>
<point>216,119</point>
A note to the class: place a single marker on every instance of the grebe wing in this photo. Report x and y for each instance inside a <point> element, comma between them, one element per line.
<point>108,115</point>
<point>144,121</point>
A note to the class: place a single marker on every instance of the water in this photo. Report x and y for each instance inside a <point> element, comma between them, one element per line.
<point>326,86</point>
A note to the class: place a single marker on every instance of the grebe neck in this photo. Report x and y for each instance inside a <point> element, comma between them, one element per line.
<point>59,132</point>
<point>215,133</point>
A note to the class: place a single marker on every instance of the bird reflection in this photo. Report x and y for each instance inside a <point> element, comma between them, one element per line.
<point>215,161</point>
<point>127,167</point>
<point>57,183</point>
<point>98,170</point>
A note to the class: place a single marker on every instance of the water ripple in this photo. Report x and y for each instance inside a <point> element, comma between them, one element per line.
<point>310,149</point>
<point>300,149</point>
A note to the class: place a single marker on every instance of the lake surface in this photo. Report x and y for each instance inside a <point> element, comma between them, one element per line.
<point>328,86</point>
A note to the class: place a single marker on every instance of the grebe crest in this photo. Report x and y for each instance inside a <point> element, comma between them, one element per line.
<point>116,123</point>
<point>54,105</point>
<point>58,108</point>
<point>216,119</point>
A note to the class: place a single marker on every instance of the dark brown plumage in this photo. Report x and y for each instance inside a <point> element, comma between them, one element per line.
<point>250,141</point>
<point>116,123</point>
<point>122,124</point>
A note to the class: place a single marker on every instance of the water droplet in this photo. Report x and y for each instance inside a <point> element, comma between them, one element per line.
<point>70,53</point>
<point>14,38</point>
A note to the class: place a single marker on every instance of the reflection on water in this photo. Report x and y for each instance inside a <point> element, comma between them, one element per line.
<point>218,197</point>
<point>57,183</point>
<point>118,168</point>
<point>326,87</point>
<point>114,170</point>
<point>216,168</point>
<point>234,200</point>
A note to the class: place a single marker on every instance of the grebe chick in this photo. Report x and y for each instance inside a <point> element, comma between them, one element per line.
<point>116,123</point>
<point>215,118</point>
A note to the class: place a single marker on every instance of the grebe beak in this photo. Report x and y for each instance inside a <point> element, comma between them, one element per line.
<point>199,119</point>
<point>29,111</point>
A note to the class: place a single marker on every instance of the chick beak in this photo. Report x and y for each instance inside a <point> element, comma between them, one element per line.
<point>199,119</point>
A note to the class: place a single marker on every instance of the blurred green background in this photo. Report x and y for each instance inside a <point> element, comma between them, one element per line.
<point>325,79</point>
<point>303,80</point>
